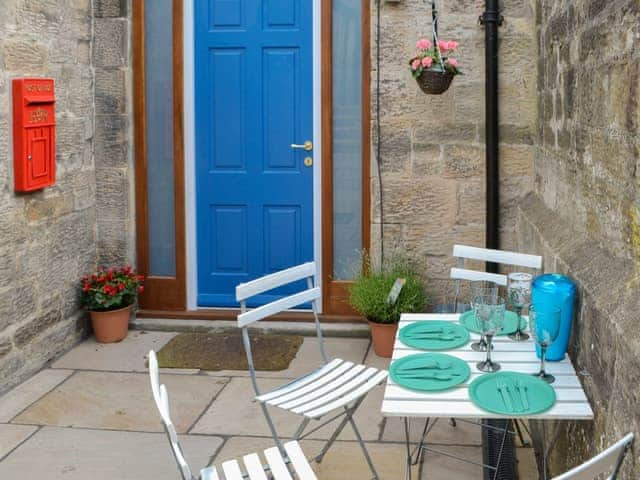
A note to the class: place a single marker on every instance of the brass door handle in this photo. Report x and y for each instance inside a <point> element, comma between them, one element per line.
<point>308,145</point>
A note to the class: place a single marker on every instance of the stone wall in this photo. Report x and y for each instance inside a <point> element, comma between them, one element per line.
<point>113,142</point>
<point>432,147</point>
<point>584,213</point>
<point>49,238</point>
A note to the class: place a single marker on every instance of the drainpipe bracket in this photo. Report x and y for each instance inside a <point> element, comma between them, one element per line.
<point>491,17</point>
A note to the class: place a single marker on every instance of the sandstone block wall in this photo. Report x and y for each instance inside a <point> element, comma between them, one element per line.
<point>114,128</point>
<point>49,238</point>
<point>432,147</point>
<point>584,213</point>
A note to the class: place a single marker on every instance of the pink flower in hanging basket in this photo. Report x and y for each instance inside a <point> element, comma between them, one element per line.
<point>423,44</point>
<point>434,58</point>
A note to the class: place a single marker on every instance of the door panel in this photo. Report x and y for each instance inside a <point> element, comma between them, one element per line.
<point>253,100</point>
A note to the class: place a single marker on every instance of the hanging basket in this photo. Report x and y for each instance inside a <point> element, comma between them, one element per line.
<point>435,82</point>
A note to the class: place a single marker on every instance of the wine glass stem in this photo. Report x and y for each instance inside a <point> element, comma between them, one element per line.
<point>543,353</point>
<point>489,338</point>
<point>519,312</point>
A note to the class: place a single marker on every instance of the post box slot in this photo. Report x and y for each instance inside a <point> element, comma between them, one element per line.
<point>38,100</point>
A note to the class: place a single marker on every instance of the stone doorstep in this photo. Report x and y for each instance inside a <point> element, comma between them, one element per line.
<point>346,330</point>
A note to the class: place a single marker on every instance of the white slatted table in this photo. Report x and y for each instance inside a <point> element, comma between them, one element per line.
<point>571,403</point>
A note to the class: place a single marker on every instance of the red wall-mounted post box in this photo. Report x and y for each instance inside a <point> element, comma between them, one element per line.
<point>34,133</point>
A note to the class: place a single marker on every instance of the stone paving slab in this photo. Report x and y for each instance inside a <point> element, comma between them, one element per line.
<point>129,355</point>
<point>79,454</point>
<point>121,401</point>
<point>235,413</point>
<point>16,400</point>
<point>441,467</point>
<point>12,435</point>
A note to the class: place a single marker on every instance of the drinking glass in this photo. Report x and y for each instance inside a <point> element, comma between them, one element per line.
<point>519,292</point>
<point>478,290</point>
<point>491,315</point>
<point>454,299</point>
<point>544,325</point>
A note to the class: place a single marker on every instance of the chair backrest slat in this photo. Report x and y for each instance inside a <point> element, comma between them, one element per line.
<point>498,256</point>
<point>606,462</point>
<point>477,276</point>
<point>274,280</point>
<point>278,306</point>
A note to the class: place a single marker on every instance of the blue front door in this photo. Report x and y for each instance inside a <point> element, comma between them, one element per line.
<point>253,66</point>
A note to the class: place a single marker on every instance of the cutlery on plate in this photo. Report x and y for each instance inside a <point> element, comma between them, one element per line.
<point>513,398</point>
<point>435,330</point>
<point>428,366</point>
<point>522,389</point>
<point>443,376</point>
<point>505,399</point>
<point>445,338</point>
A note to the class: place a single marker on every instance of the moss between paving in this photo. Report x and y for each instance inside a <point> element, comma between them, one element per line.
<point>224,351</point>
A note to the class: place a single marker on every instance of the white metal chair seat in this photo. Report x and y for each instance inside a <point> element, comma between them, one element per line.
<point>294,466</point>
<point>255,467</point>
<point>335,385</point>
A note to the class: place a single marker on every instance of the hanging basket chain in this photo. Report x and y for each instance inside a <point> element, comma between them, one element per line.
<point>434,27</point>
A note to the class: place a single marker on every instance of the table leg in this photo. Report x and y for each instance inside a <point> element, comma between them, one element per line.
<point>407,437</point>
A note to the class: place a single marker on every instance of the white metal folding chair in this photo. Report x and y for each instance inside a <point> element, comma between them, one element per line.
<point>608,461</point>
<point>277,467</point>
<point>503,257</point>
<point>337,385</point>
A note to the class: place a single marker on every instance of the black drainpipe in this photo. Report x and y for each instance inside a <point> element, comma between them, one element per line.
<point>491,19</point>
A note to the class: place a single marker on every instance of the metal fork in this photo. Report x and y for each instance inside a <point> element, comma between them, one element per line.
<point>513,398</point>
<point>522,390</point>
<point>501,386</point>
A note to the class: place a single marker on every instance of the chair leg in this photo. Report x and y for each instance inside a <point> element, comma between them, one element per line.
<point>334,435</point>
<point>523,442</point>
<point>274,433</point>
<point>337,431</point>
<point>364,447</point>
<point>301,428</point>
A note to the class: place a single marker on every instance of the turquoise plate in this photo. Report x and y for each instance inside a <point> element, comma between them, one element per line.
<point>429,372</point>
<point>434,335</point>
<point>468,321</point>
<point>534,395</point>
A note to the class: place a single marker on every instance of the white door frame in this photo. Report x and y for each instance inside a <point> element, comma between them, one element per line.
<point>190,150</point>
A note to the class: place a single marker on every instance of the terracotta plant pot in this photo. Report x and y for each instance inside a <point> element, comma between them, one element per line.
<point>383,336</point>
<point>111,326</point>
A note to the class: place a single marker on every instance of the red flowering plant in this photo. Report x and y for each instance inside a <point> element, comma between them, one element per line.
<point>111,289</point>
<point>428,57</point>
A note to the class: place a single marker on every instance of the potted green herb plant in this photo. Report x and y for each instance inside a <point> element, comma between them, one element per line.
<point>370,296</point>
<point>109,295</point>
